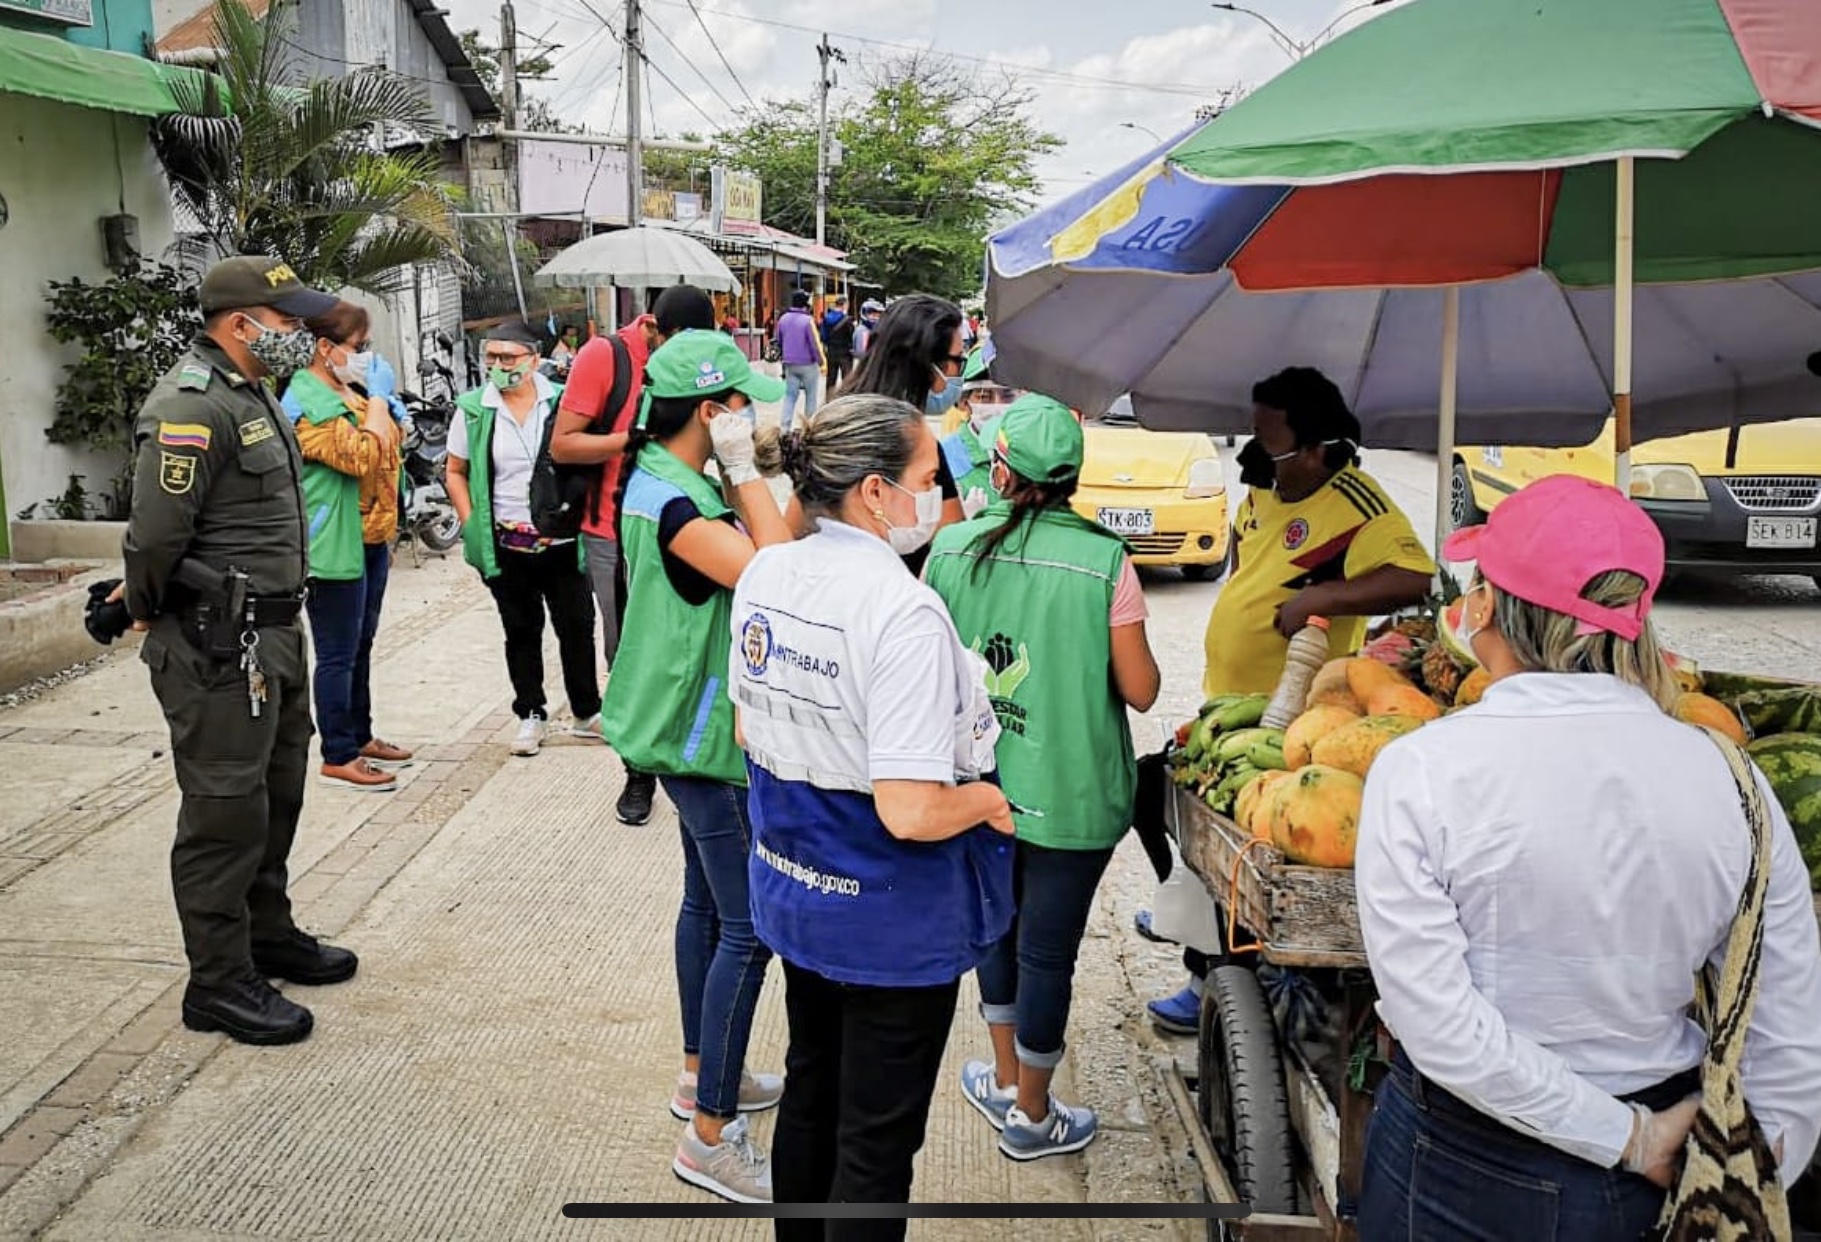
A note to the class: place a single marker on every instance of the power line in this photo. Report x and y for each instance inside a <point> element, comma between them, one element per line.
<point>703,23</point>
<point>652,22</point>
<point>687,97</point>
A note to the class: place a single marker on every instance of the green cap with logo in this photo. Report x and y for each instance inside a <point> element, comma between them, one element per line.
<point>1040,439</point>
<point>702,362</point>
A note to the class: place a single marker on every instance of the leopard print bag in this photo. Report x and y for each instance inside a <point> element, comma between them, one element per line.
<point>1729,1189</point>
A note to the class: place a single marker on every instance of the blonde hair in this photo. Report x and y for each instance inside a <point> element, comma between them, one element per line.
<point>1544,640</point>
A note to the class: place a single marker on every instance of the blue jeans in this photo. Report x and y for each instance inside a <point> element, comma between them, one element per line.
<point>1028,978</point>
<point>720,962</point>
<point>805,379</point>
<point>344,617</point>
<point>1438,1171</point>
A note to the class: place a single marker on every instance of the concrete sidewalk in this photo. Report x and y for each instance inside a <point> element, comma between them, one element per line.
<point>512,1037</point>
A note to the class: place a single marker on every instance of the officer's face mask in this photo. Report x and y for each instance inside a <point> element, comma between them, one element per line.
<point>282,354</point>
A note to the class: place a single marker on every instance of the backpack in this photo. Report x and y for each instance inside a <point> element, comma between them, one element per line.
<point>562,495</point>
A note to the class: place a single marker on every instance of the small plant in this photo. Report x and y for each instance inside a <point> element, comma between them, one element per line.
<point>72,505</point>
<point>131,330</point>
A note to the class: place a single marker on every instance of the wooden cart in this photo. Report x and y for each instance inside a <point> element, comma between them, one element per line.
<point>1272,1123</point>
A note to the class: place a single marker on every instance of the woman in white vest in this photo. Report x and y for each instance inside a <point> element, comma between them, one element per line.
<point>881,868</point>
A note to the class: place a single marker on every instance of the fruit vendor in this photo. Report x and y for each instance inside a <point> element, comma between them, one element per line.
<point>1316,536</point>
<point>1540,877</point>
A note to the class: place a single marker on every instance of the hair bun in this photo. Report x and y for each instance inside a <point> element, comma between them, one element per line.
<point>794,451</point>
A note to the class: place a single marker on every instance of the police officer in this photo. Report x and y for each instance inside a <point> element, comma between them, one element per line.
<point>215,566</point>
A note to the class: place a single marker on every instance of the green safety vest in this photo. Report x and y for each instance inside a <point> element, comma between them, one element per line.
<point>477,532</point>
<point>1038,613</point>
<point>331,498</point>
<point>667,708</point>
<point>970,457</point>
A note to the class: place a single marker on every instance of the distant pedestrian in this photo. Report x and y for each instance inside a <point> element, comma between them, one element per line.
<point>350,444</point>
<point>215,560</point>
<point>800,349</point>
<point>501,428</point>
<point>870,310</point>
<point>838,339</point>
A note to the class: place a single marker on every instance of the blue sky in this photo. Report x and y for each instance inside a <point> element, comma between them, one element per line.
<point>1095,66</point>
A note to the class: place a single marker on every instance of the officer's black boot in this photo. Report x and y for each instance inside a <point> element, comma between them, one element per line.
<point>301,958</point>
<point>635,800</point>
<point>251,1011</point>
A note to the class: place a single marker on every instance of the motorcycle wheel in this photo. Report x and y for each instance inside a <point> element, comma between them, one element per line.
<point>440,532</point>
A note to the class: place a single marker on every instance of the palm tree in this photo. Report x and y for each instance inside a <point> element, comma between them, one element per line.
<point>268,167</point>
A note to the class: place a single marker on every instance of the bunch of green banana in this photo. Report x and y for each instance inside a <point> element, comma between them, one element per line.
<point>1236,760</point>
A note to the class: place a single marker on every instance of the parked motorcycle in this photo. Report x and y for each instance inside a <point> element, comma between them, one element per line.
<point>428,518</point>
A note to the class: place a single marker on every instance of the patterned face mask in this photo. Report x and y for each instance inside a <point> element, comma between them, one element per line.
<point>282,354</point>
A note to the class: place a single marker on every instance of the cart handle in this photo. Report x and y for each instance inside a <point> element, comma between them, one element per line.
<point>1239,859</point>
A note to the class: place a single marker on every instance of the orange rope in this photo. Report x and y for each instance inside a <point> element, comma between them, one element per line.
<point>1239,859</point>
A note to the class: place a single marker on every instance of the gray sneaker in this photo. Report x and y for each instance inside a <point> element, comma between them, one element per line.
<point>980,1084</point>
<point>758,1092</point>
<point>1064,1130</point>
<point>734,1168</point>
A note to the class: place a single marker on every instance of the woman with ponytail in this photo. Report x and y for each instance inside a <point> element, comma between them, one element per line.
<point>1054,602</point>
<point>881,869</point>
<point>667,712</point>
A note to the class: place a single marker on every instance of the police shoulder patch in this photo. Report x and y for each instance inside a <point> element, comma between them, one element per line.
<point>194,376</point>
<point>176,472</point>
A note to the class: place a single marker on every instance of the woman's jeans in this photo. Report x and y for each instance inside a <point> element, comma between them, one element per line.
<point>805,379</point>
<point>1437,1170</point>
<point>1027,979</point>
<point>720,962</point>
<point>344,617</point>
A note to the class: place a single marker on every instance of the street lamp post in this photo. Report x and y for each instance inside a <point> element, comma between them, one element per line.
<point>1143,129</point>
<point>1293,48</point>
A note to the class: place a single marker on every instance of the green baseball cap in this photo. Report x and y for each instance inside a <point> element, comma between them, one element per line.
<point>1040,439</point>
<point>977,363</point>
<point>702,362</point>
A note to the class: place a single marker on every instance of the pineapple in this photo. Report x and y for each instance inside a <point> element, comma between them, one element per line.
<point>1441,674</point>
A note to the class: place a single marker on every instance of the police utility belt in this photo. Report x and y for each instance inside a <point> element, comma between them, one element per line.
<point>221,617</point>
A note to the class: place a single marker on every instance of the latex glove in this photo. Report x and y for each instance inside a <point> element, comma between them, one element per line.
<point>382,380</point>
<point>733,448</point>
<point>1655,1150</point>
<point>975,501</point>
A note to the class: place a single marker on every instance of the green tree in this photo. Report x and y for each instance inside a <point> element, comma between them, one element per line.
<point>267,167</point>
<point>933,154</point>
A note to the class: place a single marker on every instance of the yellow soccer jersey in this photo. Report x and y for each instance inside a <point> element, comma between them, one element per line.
<point>1345,530</point>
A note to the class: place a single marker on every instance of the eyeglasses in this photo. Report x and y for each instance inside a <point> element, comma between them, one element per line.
<point>503,360</point>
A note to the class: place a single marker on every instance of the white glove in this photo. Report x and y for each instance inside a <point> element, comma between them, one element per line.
<point>733,448</point>
<point>975,501</point>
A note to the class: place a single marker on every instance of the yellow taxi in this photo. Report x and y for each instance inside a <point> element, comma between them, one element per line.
<point>1164,492</point>
<point>1744,501</point>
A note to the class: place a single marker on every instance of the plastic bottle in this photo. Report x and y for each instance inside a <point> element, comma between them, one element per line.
<point>1308,652</point>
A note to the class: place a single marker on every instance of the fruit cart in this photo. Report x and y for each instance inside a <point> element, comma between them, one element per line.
<point>1289,1050</point>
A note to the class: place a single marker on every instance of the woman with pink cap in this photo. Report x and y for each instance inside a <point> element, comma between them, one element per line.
<point>1540,878</point>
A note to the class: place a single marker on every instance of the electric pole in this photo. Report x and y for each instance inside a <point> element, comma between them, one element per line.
<point>826,54</point>
<point>635,153</point>
<point>509,98</point>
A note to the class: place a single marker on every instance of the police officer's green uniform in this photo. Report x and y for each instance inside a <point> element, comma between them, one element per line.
<point>215,555</point>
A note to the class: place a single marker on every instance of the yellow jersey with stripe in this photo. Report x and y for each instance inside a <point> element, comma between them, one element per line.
<point>1345,530</point>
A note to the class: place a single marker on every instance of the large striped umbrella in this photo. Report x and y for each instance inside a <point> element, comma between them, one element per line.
<point>1460,173</point>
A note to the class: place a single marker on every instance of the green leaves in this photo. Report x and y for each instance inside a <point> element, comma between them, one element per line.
<point>323,176</point>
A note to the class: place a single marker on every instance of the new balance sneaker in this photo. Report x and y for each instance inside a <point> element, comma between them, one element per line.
<point>530,737</point>
<point>758,1092</point>
<point>1179,1014</point>
<point>734,1168</point>
<point>1064,1130</point>
<point>589,728</point>
<point>980,1084</point>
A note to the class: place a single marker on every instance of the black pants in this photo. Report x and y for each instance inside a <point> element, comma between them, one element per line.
<point>840,366</point>
<point>242,779</point>
<point>528,583</point>
<point>858,1078</point>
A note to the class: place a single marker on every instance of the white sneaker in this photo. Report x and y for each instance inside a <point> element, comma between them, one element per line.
<point>530,737</point>
<point>589,728</point>
<point>734,1168</point>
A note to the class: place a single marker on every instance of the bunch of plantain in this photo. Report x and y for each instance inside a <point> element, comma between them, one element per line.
<point>1225,749</point>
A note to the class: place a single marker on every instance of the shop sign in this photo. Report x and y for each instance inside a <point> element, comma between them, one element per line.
<point>689,208</point>
<point>659,205</point>
<point>738,202</point>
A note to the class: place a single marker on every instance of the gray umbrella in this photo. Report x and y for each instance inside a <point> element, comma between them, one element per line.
<point>640,258</point>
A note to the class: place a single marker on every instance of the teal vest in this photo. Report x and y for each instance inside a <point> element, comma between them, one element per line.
<point>1038,612</point>
<point>667,708</point>
<point>331,498</point>
<point>477,531</point>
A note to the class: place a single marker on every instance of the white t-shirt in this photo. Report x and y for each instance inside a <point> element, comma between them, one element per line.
<point>514,449</point>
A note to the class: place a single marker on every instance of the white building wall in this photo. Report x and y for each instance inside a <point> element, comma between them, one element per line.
<point>62,169</point>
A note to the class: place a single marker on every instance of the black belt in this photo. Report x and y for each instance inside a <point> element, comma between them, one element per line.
<point>1439,1100</point>
<point>267,610</point>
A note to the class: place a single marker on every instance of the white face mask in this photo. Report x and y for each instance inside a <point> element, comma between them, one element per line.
<point>1470,631</point>
<point>354,370</point>
<point>907,539</point>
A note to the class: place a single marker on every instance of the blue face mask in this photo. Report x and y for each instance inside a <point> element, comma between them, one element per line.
<point>940,403</point>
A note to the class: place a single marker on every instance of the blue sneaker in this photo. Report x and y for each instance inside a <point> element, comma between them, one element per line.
<point>1179,1014</point>
<point>1064,1130</point>
<point>980,1084</point>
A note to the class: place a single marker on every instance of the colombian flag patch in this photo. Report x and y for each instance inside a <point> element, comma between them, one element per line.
<point>184,435</point>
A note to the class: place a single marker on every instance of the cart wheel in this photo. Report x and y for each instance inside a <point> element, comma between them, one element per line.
<point>1244,1105</point>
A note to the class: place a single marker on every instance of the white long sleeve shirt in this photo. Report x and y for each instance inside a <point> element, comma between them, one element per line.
<point>1539,879</point>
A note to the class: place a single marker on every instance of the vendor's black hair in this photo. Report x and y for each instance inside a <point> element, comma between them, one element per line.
<point>1315,410</point>
<point>664,418</point>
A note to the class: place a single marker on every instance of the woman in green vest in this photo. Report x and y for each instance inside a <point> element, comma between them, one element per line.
<point>668,712</point>
<point>1053,603</point>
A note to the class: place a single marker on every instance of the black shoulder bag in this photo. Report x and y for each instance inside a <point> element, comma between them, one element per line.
<point>561,494</point>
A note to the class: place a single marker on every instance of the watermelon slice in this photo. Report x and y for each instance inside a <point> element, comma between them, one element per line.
<point>1450,627</point>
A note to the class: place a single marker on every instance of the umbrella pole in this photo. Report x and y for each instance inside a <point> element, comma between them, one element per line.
<point>1621,325</point>
<point>1444,433</point>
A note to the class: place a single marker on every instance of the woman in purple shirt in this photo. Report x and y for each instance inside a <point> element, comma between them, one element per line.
<point>800,345</point>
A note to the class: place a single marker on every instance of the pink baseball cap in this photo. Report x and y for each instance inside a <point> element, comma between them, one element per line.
<point>1546,542</point>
